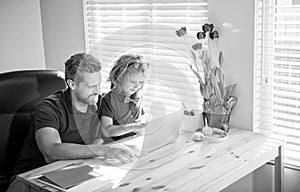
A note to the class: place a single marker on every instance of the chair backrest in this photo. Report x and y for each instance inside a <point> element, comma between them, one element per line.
<point>20,93</point>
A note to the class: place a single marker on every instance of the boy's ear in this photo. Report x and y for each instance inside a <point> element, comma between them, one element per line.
<point>71,84</point>
<point>118,78</point>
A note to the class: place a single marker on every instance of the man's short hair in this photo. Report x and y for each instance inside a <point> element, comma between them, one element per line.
<point>78,63</point>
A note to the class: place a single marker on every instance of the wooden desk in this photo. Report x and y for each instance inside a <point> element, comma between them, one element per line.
<point>184,166</point>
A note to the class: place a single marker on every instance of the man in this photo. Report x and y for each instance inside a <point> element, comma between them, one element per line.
<point>66,124</point>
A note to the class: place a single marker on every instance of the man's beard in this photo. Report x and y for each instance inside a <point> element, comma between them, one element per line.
<point>87,100</point>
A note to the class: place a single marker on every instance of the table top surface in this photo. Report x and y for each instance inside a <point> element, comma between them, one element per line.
<point>186,165</point>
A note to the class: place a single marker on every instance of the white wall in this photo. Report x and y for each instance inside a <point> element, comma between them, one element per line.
<point>63,30</point>
<point>21,42</point>
<point>234,20</point>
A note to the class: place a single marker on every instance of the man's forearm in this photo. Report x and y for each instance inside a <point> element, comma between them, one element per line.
<point>63,151</point>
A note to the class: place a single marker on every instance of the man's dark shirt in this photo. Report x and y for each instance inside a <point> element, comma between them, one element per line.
<point>57,111</point>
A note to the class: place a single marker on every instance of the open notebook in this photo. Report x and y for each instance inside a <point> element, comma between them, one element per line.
<point>66,178</point>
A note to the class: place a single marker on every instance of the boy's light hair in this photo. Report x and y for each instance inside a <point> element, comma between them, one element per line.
<point>126,64</point>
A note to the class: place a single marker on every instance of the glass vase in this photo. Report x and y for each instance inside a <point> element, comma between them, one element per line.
<point>217,120</point>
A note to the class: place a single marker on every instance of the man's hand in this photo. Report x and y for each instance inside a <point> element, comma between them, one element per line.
<point>119,152</point>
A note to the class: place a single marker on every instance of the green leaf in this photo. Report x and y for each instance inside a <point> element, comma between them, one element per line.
<point>221,59</point>
<point>221,88</point>
<point>217,92</point>
<point>228,90</point>
<point>195,72</point>
<point>193,56</point>
<point>213,99</point>
<point>221,80</point>
<point>202,90</point>
<point>208,89</point>
<point>195,60</point>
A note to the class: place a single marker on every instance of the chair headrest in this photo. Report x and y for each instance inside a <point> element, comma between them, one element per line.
<point>19,88</point>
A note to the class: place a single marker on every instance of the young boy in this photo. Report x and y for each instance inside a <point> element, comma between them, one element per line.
<point>122,106</point>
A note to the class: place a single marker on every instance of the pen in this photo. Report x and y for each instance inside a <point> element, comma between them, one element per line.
<point>72,164</point>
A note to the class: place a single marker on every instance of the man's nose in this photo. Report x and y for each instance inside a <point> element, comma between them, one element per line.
<point>137,85</point>
<point>97,90</point>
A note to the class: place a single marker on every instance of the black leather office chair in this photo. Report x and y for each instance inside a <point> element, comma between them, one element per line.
<point>20,93</point>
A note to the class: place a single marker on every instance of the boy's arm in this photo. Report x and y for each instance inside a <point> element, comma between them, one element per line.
<point>110,130</point>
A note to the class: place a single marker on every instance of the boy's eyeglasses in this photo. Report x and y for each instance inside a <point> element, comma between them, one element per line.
<point>137,65</point>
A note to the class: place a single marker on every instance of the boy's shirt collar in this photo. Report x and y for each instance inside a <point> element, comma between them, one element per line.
<point>125,98</point>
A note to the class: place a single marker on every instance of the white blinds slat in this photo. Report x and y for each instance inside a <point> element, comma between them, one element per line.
<point>277,74</point>
<point>115,27</point>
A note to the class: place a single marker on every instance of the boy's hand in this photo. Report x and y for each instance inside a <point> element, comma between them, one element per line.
<point>141,123</point>
<point>139,127</point>
<point>140,131</point>
<point>98,141</point>
<point>142,120</point>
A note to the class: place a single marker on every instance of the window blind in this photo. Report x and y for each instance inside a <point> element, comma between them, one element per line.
<point>277,74</point>
<point>147,27</point>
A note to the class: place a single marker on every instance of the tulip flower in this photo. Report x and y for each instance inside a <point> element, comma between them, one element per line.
<point>181,32</point>
<point>206,66</point>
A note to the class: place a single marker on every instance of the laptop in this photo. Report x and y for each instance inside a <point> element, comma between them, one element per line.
<point>159,132</point>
